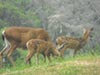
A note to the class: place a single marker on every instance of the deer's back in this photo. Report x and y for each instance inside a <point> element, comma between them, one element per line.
<point>40,45</point>
<point>21,35</point>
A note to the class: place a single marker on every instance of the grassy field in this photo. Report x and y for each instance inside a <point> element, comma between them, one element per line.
<point>79,65</point>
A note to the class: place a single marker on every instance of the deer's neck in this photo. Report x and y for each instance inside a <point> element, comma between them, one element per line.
<point>85,36</point>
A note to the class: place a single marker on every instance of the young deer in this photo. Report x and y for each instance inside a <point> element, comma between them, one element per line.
<point>73,43</point>
<point>37,46</point>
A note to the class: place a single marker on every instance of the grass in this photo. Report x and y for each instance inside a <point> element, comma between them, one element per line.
<point>86,64</point>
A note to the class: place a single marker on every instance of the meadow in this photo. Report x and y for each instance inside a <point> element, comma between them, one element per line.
<point>82,64</point>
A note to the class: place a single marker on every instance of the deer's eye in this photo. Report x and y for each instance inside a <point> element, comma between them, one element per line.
<point>56,43</point>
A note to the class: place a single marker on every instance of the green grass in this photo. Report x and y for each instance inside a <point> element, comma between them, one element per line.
<point>86,64</point>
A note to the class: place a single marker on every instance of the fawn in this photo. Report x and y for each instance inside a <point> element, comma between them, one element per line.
<point>38,46</point>
<point>73,43</point>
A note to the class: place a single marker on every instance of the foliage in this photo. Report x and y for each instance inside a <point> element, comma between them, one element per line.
<point>13,13</point>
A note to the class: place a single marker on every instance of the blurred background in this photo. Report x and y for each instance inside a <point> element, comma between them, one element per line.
<point>58,17</point>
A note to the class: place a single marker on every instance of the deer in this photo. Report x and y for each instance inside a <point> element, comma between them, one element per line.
<point>16,37</point>
<point>38,46</point>
<point>64,42</point>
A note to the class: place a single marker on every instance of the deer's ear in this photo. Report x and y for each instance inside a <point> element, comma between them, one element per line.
<point>84,30</point>
<point>92,29</point>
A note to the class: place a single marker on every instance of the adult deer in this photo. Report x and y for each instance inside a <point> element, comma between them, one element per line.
<point>16,37</point>
<point>38,46</point>
<point>73,43</point>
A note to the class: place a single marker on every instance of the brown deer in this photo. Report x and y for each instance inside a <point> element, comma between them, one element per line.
<point>73,43</point>
<point>38,46</point>
<point>16,37</point>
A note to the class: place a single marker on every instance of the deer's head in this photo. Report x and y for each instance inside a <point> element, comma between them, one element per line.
<point>87,33</point>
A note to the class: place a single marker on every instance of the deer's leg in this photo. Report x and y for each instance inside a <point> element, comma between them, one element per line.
<point>9,53</point>
<point>45,54</point>
<point>75,51</point>
<point>29,56</point>
<point>37,54</point>
<point>62,51</point>
<point>37,58</point>
<point>44,57</point>
<point>48,56</point>
<point>6,48</point>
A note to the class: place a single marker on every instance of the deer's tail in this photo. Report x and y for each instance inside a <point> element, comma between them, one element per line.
<point>3,35</point>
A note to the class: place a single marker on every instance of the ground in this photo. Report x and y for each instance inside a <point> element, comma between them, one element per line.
<point>81,65</point>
